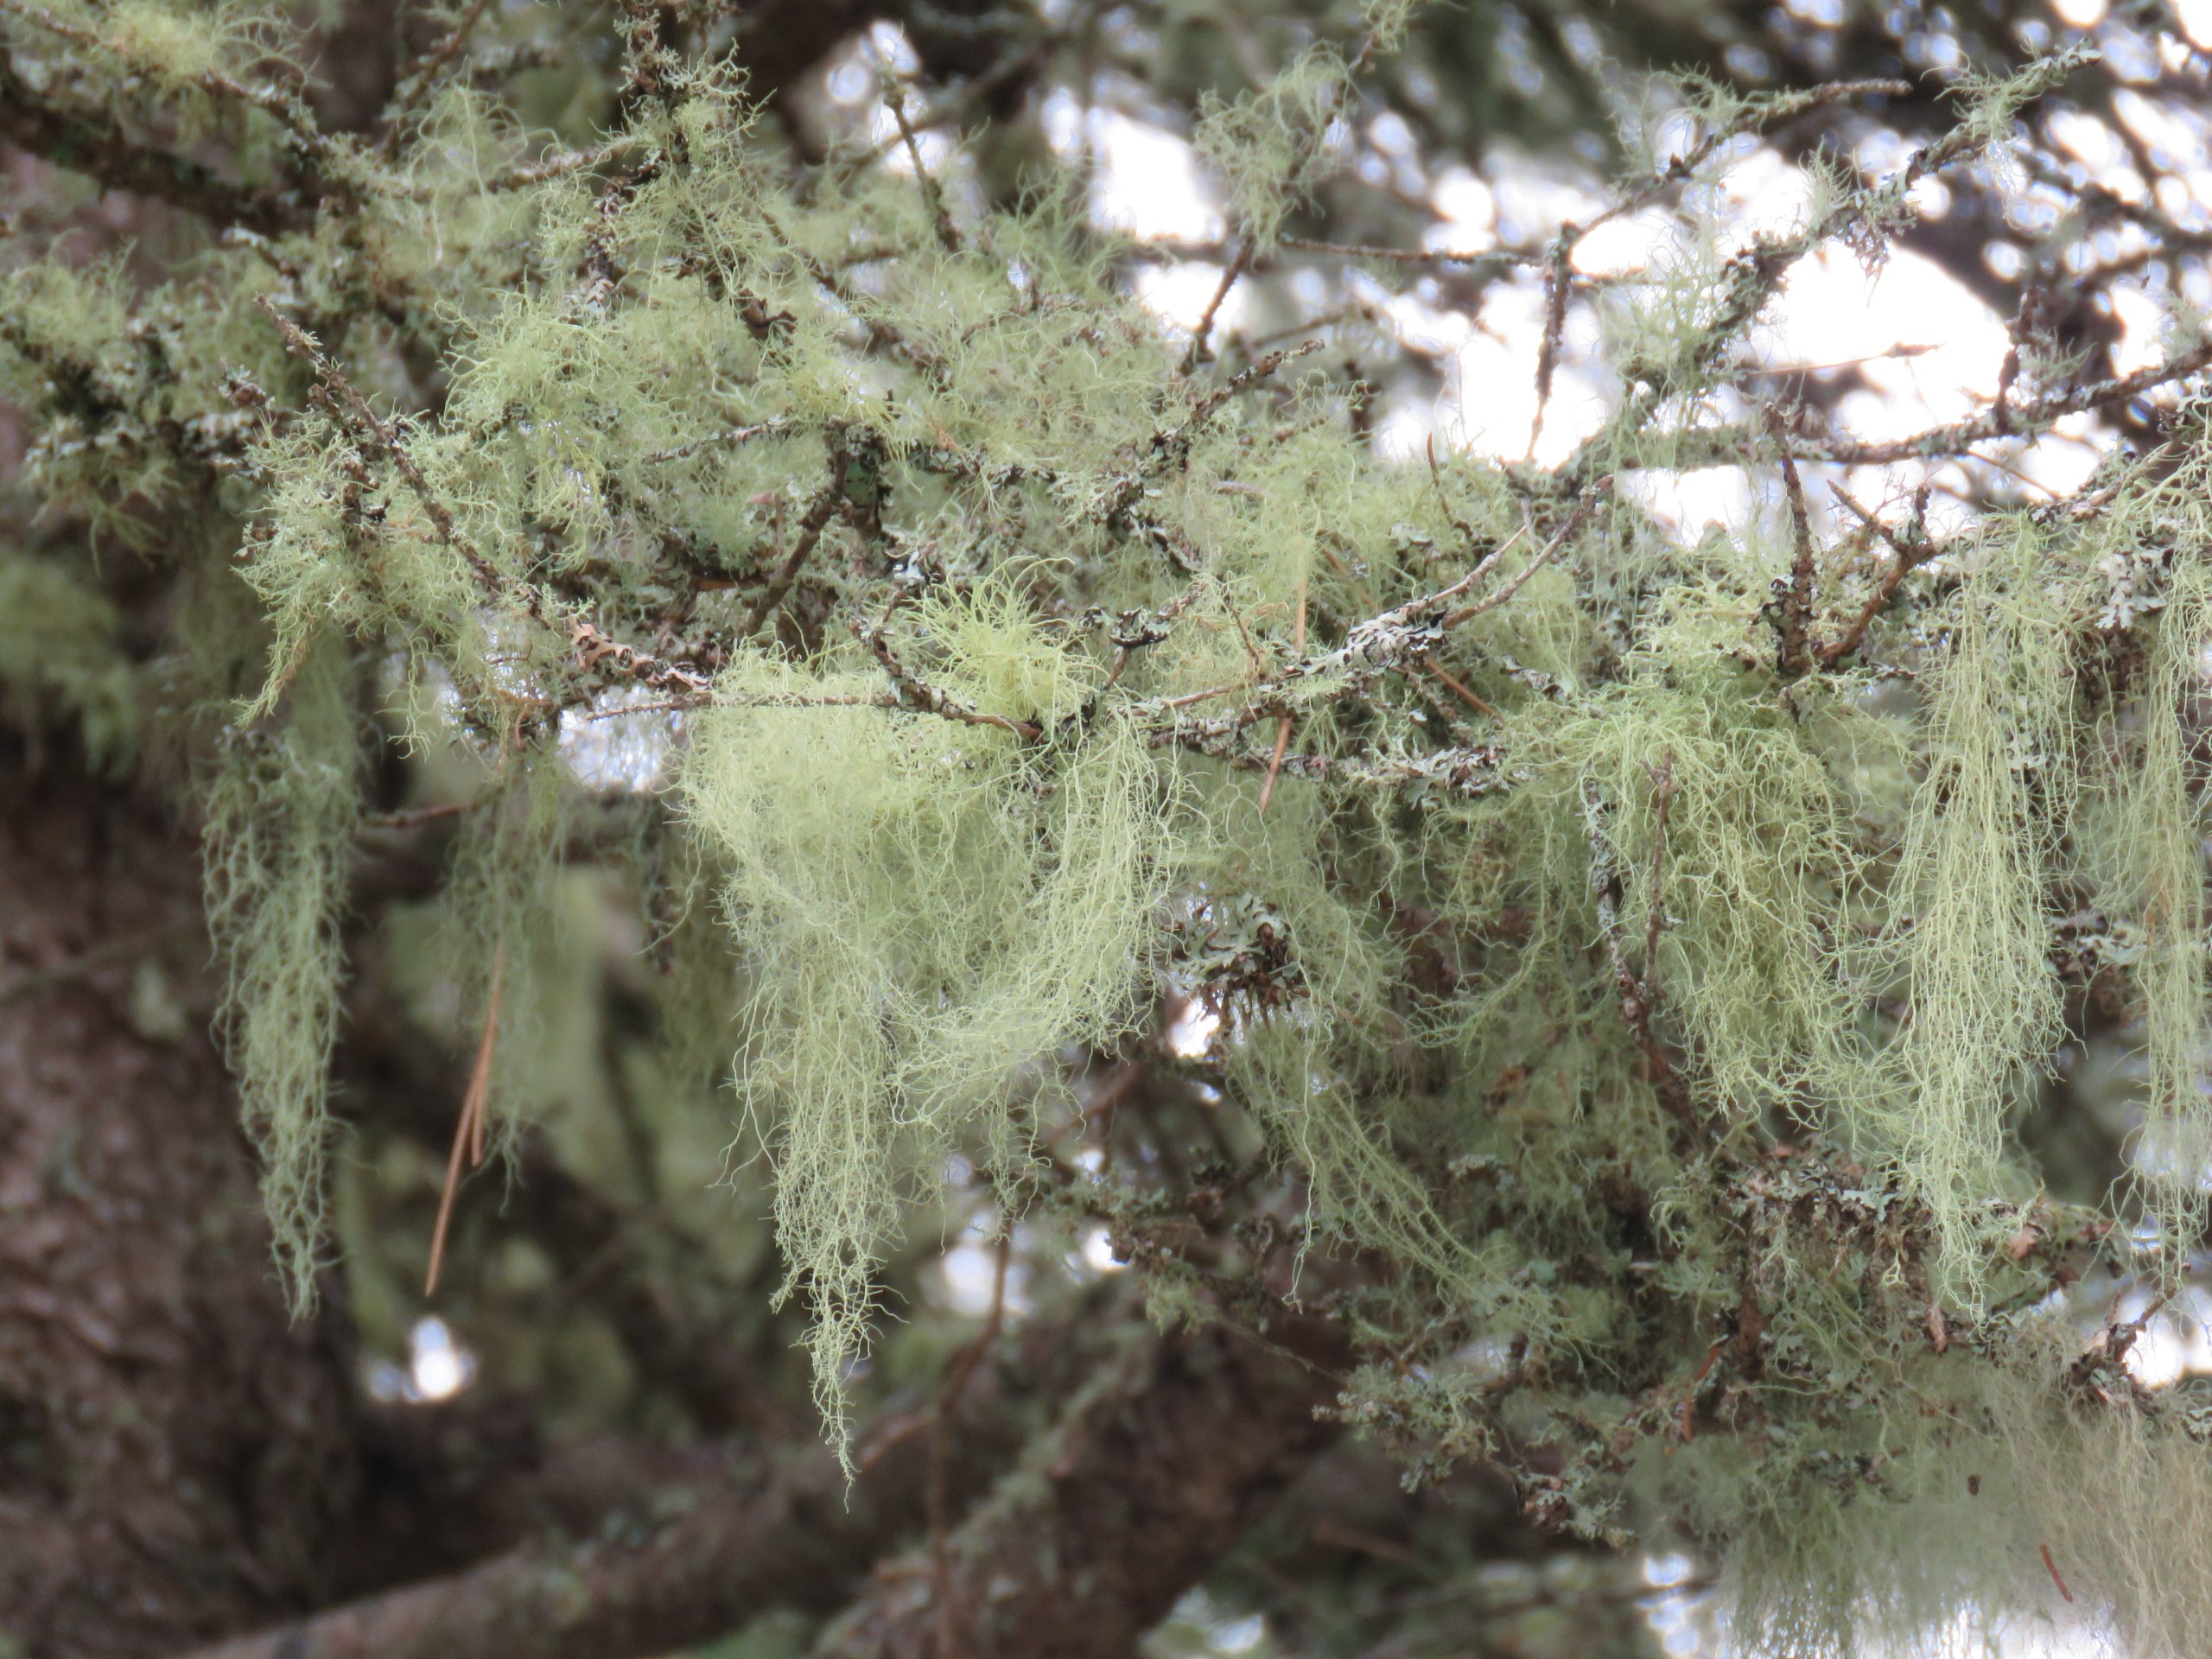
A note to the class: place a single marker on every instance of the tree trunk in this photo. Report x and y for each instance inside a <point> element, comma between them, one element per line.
<point>175,1456</point>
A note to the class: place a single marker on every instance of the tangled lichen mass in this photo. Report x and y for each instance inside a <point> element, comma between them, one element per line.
<point>1633,957</point>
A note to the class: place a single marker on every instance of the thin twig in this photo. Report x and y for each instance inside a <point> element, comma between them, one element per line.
<point>356,411</point>
<point>940,219</point>
<point>1906,553</point>
<point>1459,688</point>
<point>1451,517</point>
<point>468,1134</point>
<point>2025,418</point>
<point>818,514</point>
<point>1282,731</point>
<point>415,80</point>
<point>1634,995</point>
<point>2051,1568</point>
<point>1556,288</point>
<point>918,694</point>
<point>411,817</point>
<point>1662,796</point>
<point>1514,583</point>
<point>96,147</point>
<point>735,435</point>
<point>1198,351</point>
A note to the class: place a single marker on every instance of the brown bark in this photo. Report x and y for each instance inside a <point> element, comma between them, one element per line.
<point>755,1541</point>
<point>172,1450</point>
<point>1149,1481</point>
<point>1150,1477</point>
<point>737,1533</point>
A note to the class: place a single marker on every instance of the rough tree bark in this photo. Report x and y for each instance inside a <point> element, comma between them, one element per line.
<point>173,1452</point>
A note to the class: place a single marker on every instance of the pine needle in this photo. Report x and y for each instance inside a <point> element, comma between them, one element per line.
<point>468,1134</point>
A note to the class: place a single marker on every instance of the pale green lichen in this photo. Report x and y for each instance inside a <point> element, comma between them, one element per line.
<point>283,803</point>
<point>925,910</point>
<point>62,660</point>
<point>1271,144</point>
<point>975,624</point>
<point>1969,908</point>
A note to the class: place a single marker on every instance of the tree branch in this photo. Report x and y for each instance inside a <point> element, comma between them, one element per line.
<point>1149,1481</point>
<point>771,1528</point>
<point>102,153</point>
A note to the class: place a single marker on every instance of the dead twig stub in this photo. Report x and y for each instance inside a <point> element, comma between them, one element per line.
<point>1795,601</point>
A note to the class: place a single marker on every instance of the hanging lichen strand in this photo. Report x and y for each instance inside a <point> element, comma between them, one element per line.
<point>1638,959</point>
<point>926,910</point>
<point>1968,897</point>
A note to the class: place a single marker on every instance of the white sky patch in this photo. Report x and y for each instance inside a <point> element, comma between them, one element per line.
<point>1469,208</point>
<point>2142,321</point>
<point>937,147</point>
<point>1403,431</point>
<point>1493,400</point>
<point>2060,459</point>
<point>1179,294</point>
<point>1770,194</point>
<point>1532,197</point>
<point>1191,1033</point>
<point>1238,1635</point>
<point>438,1367</point>
<point>613,752</point>
<point>1665,1572</point>
<point>2098,147</point>
<point>1831,311</point>
<point>2175,1342</point>
<point>1622,246</point>
<point>2176,133</point>
<point>1097,1252</point>
<point>1686,502</point>
<point>1675,1612</point>
<point>890,47</point>
<point>1150,182</point>
<point>967,1277</point>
